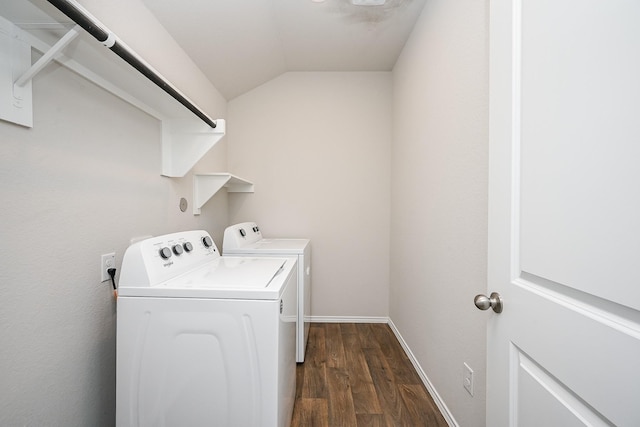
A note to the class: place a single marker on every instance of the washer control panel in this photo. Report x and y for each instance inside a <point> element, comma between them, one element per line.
<point>161,258</point>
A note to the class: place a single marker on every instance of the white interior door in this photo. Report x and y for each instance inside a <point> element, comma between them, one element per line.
<point>564,213</point>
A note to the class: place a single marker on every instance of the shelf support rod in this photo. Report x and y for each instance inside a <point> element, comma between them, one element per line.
<point>79,15</point>
<point>48,56</point>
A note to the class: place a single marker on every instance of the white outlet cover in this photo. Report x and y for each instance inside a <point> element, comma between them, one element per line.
<point>467,378</point>
<point>107,261</point>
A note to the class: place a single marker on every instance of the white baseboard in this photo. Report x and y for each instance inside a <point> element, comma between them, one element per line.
<point>430,388</point>
<point>348,319</point>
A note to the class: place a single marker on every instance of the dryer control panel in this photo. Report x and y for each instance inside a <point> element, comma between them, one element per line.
<point>161,258</point>
<point>242,234</point>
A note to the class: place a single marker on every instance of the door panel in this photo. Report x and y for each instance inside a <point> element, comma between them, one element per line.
<point>580,350</point>
<point>544,401</point>
<point>564,213</point>
<point>579,105</point>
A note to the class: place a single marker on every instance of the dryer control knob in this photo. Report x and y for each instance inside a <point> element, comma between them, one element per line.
<point>207,242</point>
<point>165,253</point>
<point>177,249</point>
<point>188,247</point>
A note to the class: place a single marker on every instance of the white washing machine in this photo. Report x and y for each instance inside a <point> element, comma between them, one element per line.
<point>204,339</point>
<point>246,239</point>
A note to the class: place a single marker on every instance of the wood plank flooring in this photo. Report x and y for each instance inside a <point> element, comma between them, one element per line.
<point>357,375</point>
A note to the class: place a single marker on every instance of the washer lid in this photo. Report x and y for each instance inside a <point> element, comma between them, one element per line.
<point>272,246</point>
<point>223,277</point>
<point>230,272</point>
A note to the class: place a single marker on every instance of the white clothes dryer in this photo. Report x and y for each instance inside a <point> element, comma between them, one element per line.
<point>245,239</point>
<point>203,339</point>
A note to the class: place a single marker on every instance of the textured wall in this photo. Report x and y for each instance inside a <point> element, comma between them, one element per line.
<point>439,198</point>
<point>317,147</point>
<point>81,183</point>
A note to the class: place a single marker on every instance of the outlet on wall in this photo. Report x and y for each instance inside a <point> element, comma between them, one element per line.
<point>107,261</point>
<point>467,378</point>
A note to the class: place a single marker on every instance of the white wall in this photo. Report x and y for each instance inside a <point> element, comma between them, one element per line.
<point>317,147</point>
<point>133,23</point>
<point>81,183</point>
<point>439,191</point>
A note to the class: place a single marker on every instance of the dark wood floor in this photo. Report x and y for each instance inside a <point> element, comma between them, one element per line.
<point>357,375</point>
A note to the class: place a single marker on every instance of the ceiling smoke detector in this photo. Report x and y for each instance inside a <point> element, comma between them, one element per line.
<point>368,2</point>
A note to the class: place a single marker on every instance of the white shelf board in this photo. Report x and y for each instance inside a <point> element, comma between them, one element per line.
<point>205,186</point>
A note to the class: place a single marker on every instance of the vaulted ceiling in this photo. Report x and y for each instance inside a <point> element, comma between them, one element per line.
<point>241,44</point>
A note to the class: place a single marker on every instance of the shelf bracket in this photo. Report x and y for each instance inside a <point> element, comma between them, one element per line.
<point>205,186</point>
<point>47,57</point>
<point>185,141</point>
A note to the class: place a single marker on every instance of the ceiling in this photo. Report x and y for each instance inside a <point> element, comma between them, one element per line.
<point>241,44</point>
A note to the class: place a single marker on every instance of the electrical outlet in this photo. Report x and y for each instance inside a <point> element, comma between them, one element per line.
<point>467,378</point>
<point>107,261</point>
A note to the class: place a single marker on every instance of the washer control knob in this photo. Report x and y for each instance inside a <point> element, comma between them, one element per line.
<point>177,249</point>
<point>165,253</point>
<point>188,247</point>
<point>207,242</point>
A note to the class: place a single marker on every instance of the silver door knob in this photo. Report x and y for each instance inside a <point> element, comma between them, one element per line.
<point>493,301</point>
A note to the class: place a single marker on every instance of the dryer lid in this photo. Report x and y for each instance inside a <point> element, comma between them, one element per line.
<point>272,246</point>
